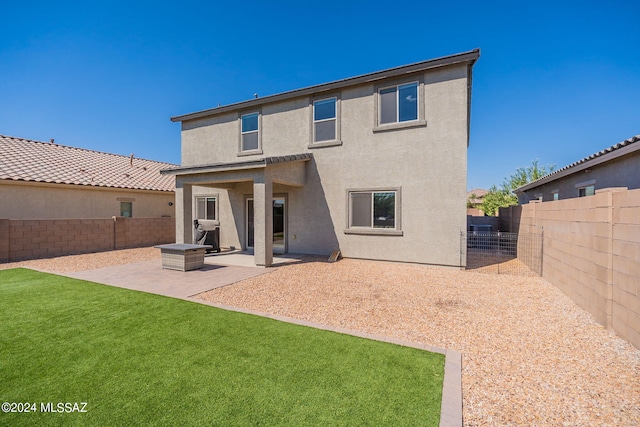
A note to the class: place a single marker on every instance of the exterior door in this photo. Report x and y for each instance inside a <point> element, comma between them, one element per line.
<point>279,225</point>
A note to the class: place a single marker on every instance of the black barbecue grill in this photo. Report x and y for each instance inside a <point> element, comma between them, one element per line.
<point>207,232</point>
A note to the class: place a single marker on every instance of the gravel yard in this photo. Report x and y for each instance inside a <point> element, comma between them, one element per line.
<point>71,263</point>
<point>530,355</point>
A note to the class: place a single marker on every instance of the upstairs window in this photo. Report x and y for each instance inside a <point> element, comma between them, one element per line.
<point>250,140</point>
<point>324,120</point>
<point>398,104</point>
<point>205,208</point>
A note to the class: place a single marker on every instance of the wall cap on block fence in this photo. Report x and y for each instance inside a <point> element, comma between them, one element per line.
<point>611,190</point>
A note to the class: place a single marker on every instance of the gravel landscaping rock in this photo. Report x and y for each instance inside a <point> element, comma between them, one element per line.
<point>71,263</point>
<point>530,355</point>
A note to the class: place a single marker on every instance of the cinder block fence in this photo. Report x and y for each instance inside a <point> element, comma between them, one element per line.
<point>591,251</point>
<point>44,238</point>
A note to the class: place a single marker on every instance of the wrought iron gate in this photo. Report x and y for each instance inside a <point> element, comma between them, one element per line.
<point>503,253</point>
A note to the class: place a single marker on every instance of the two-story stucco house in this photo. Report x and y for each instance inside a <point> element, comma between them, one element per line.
<point>373,165</point>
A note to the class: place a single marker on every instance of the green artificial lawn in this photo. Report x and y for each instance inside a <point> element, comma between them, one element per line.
<point>143,359</point>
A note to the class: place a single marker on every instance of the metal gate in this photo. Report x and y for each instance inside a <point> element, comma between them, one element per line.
<point>503,253</point>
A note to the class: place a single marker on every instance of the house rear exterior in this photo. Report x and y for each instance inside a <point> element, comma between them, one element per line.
<point>373,165</point>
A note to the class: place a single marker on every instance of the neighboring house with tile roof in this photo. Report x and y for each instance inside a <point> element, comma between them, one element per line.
<point>616,166</point>
<point>373,165</point>
<point>45,180</point>
<point>475,198</point>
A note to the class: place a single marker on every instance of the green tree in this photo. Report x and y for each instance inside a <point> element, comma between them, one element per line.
<point>497,198</point>
<point>502,197</point>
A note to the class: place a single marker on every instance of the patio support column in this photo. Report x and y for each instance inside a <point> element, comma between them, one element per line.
<point>263,220</point>
<point>184,214</point>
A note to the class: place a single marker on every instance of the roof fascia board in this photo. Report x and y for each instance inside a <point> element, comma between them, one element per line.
<point>233,166</point>
<point>580,167</point>
<point>465,57</point>
<point>191,170</point>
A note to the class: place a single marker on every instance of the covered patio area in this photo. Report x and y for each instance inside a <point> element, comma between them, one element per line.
<point>246,199</point>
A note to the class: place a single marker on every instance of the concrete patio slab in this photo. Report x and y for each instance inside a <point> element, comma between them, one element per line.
<point>149,276</point>
<point>246,259</point>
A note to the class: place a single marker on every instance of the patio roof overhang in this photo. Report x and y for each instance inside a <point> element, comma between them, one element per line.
<point>262,172</point>
<point>287,170</point>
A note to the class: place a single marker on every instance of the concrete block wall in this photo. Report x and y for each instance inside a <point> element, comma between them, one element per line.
<point>137,232</point>
<point>626,265</point>
<point>44,238</point>
<point>591,251</point>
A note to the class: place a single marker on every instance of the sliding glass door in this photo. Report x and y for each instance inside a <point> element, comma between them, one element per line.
<point>279,225</point>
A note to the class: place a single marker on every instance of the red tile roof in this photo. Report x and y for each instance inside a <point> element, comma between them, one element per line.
<point>27,160</point>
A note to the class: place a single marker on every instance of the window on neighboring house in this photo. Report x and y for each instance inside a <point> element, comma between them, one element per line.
<point>398,103</point>
<point>206,208</point>
<point>372,209</point>
<point>555,194</point>
<point>250,132</point>
<point>588,190</point>
<point>126,209</point>
<point>325,120</point>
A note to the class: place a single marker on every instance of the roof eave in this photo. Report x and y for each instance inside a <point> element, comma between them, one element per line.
<point>262,162</point>
<point>465,57</point>
<point>579,167</point>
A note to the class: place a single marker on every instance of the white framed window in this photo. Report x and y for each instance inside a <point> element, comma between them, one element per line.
<point>374,211</point>
<point>555,194</point>
<point>250,132</point>
<point>325,122</point>
<point>397,104</point>
<point>206,207</point>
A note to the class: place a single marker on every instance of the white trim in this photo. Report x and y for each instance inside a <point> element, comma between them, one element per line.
<point>258,150</point>
<point>351,229</point>
<point>205,196</point>
<point>337,137</point>
<point>397,87</point>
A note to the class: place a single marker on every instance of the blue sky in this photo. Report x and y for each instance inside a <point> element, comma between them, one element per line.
<point>556,81</point>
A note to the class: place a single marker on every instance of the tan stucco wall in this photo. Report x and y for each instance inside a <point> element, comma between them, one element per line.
<point>22,200</point>
<point>427,164</point>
